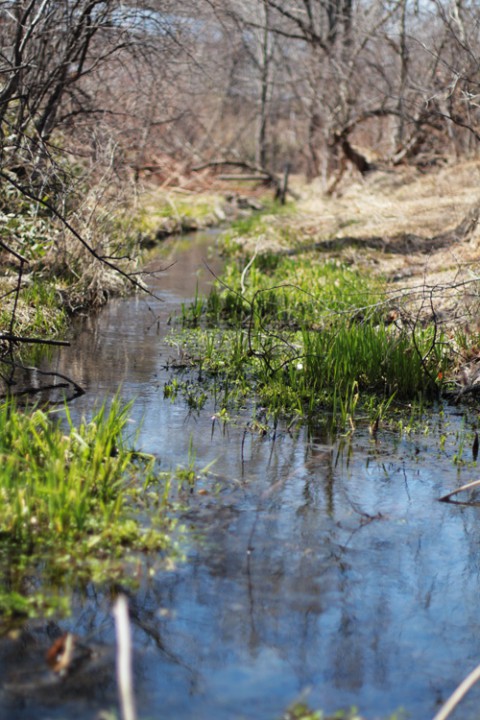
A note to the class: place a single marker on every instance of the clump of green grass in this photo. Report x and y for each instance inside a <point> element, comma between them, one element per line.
<point>38,313</point>
<point>27,229</point>
<point>56,270</point>
<point>304,335</point>
<point>193,207</point>
<point>24,226</point>
<point>162,211</point>
<point>76,505</point>
<point>283,290</point>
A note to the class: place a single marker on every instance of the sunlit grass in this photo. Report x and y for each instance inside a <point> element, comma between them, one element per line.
<point>76,504</point>
<point>302,335</point>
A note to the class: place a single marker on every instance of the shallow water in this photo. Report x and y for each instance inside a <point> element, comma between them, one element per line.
<point>325,568</point>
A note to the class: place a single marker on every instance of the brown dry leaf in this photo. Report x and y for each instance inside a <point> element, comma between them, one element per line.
<point>60,655</point>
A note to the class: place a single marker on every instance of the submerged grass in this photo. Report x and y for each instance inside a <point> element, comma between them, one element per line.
<point>76,506</point>
<point>301,711</point>
<point>307,335</point>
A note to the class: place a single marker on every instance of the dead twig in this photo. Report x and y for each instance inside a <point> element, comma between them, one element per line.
<point>449,706</point>
<point>61,217</point>
<point>468,486</point>
<point>68,382</point>
<point>124,659</point>
<point>32,340</point>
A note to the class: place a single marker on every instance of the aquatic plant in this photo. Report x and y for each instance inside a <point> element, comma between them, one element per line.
<point>76,505</point>
<point>301,711</point>
<point>306,336</point>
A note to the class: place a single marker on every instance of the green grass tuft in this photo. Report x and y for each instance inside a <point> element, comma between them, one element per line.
<point>76,505</point>
<point>306,335</point>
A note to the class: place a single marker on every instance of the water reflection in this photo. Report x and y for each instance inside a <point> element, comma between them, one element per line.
<point>366,612</point>
<point>326,565</point>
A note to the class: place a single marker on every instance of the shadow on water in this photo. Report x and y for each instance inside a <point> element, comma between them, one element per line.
<point>326,567</point>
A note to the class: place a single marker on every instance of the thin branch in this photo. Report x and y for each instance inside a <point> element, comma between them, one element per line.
<point>124,658</point>
<point>78,390</point>
<point>18,287</point>
<point>10,337</point>
<point>454,699</point>
<point>28,193</point>
<point>468,486</point>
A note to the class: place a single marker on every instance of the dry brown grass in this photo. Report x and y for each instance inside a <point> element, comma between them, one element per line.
<point>417,229</point>
<point>388,203</point>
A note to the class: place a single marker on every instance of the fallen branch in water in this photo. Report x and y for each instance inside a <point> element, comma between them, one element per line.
<point>68,382</point>
<point>468,486</point>
<point>124,659</point>
<point>449,706</point>
<point>36,341</point>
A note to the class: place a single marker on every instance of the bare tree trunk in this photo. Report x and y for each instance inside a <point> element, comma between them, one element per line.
<point>261,147</point>
<point>404,63</point>
<point>313,159</point>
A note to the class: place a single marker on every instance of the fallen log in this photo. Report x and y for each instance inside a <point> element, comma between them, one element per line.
<point>262,174</point>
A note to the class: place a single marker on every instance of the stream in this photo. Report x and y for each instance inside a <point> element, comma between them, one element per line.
<point>319,568</point>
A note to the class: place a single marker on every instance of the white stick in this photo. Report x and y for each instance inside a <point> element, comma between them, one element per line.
<point>124,659</point>
<point>468,486</point>
<point>246,269</point>
<point>452,702</point>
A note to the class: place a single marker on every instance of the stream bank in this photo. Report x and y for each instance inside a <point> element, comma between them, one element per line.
<point>317,565</point>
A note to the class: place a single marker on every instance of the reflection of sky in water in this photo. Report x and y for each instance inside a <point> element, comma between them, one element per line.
<point>360,587</point>
<point>378,613</point>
